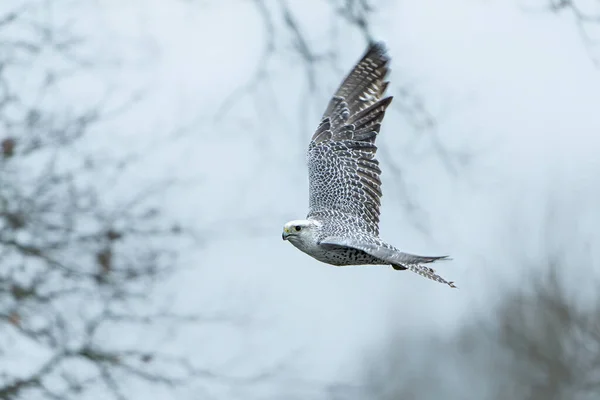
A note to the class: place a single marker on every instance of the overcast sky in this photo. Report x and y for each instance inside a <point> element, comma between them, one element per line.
<point>516,91</point>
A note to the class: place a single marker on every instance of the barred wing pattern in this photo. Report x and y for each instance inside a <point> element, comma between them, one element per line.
<point>343,171</point>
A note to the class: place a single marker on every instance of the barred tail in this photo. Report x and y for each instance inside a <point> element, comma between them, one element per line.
<point>424,271</point>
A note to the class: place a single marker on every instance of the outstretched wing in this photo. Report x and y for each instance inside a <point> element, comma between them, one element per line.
<point>391,255</point>
<point>343,170</point>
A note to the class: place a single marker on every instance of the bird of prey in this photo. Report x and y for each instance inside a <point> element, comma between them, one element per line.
<point>342,226</point>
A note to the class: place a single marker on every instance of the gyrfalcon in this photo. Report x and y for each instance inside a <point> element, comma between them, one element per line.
<point>345,190</point>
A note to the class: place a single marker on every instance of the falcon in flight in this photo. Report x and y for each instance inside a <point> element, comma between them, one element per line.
<point>345,190</point>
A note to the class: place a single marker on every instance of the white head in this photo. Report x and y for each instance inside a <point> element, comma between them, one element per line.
<point>299,232</point>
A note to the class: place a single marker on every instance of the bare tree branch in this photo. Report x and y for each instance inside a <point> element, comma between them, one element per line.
<point>80,269</point>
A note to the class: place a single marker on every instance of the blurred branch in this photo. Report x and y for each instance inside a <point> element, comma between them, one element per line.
<point>356,12</point>
<point>260,74</point>
<point>81,270</point>
<point>584,20</point>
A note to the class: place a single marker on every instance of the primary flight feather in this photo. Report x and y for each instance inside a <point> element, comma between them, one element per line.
<point>342,226</point>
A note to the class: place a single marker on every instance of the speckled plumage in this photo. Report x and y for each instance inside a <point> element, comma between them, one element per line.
<point>342,226</point>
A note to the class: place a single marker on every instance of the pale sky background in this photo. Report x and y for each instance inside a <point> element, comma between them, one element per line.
<point>515,89</point>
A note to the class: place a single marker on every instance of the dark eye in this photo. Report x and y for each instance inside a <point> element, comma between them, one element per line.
<point>298,228</point>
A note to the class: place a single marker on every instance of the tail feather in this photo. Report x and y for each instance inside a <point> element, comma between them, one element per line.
<point>426,272</point>
<point>391,255</point>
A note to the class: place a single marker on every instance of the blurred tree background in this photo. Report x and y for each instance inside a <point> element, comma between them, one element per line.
<point>539,342</point>
<point>100,294</point>
<point>81,264</point>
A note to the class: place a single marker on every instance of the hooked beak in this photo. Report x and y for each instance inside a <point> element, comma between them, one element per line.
<point>285,234</point>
